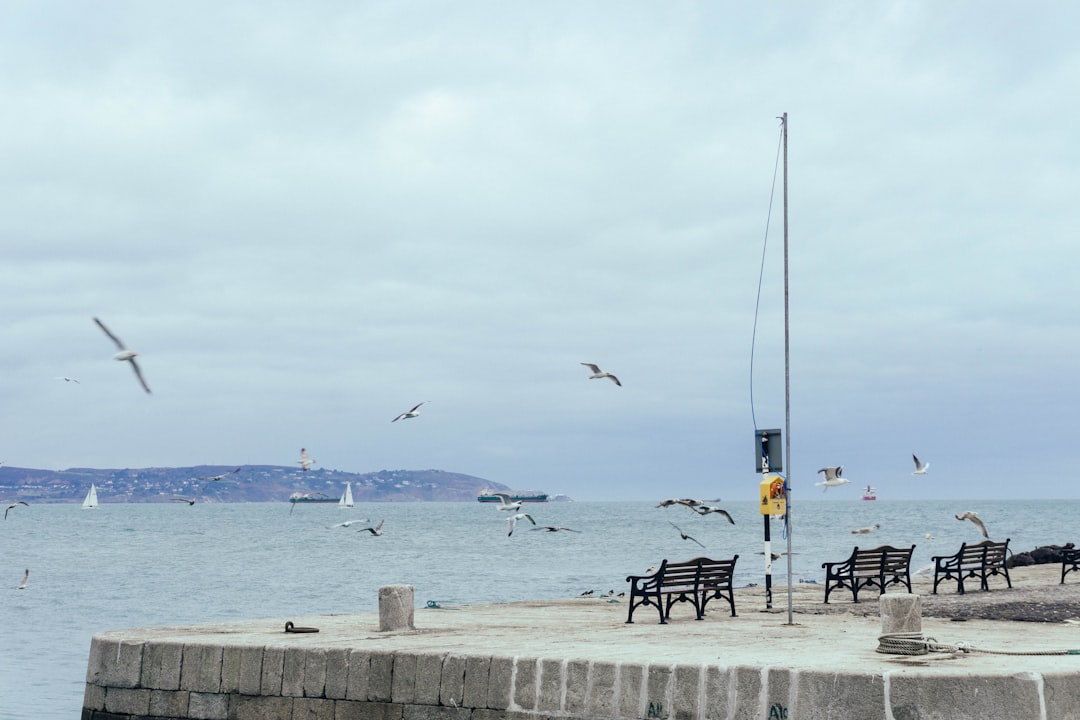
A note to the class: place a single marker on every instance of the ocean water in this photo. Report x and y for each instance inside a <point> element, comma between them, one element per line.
<point>140,565</point>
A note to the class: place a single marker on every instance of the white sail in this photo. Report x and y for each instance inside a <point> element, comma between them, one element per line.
<point>91,498</point>
<point>346,500</point>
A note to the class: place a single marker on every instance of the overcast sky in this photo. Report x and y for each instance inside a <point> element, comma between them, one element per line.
<point>309,217</point>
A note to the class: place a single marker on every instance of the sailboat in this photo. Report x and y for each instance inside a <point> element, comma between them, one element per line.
<point>91,498</point>
<point>346,500</point>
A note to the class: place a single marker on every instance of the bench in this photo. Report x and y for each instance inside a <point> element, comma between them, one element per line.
<point>695,581</point>
<point>877,567</point>
<point>980,560</point>
<point>1070,560</point>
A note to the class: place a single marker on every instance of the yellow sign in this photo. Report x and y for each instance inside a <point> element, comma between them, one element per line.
<point>771,494</point>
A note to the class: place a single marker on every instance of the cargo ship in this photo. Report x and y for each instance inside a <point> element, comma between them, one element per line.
<point>488,495</point>
<point>309,498</point>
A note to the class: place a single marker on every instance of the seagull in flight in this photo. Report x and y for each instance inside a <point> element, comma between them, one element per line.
<point>682,534</point>
<point>232,472</point>
<point>124,354</point>
<point>12,506</point>
<point>376,531</point>
<point>349,523</point>
<point>305,461</point>
<point>920,466</point>
<point>865,530</point>
<point>506,504</point>
<point>974,517</point>
<point>598,373</point>
<point>69,379</point>
<point>706,509</point>
<point>414,412</point>
<point>189,501</point>
<point>25,579</point>
<point>832,477</point>
<point>554,528</point>
<point>512,521</point>
<point>688,502</point>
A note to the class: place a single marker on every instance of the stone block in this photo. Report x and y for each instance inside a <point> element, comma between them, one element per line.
<point>500,683</point>
<point>963,696</point>
<point>381,677</point>
<point>271,669</point>
<point>396,607</point>
<point>428,679</point>
<point>208,706</point>
<point>125,701</point>
<point>292,672</point>
<point>551,686</point>
<point>631,700</point>
<point>312,709</point>
<point>658,686</point>
<point>161,666</point>
<point>477,669</point>
<point>230,668</point>
<point>201,668</point>
<point>434,712</point>
<point>746,687</point>
<point>359,675</point>
<point>686,691</point>
<point>602,690</point>
<point>403,681</point>
<point>1061,693</point>
<point>251,671</point>
<point>900,613</point>
<point>93,697</point>
<point>717,705</point>
<point>576,684</point>
<point>169,703</point>
<point>337,673</point>
<point>452,685</point>
<point>114,663</point>
<point>314,673</point>
<point>816,693</point>
<point>260,707</point>
<point>778,684</point>
<point>352,710</point>
<point>526,672</point>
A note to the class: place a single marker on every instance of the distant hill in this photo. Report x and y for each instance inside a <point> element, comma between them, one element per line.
<point>254,483</point>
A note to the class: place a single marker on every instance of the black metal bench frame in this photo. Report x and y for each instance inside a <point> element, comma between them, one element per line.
<point>877,567</point>
<point>1070,560</point>
<point>695,581</point>
<point>981,560</point>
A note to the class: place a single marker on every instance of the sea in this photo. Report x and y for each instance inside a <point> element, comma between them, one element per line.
<point>138,565</point>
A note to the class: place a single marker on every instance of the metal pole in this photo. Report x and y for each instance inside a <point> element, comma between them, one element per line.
<point>768,565</point>
<point>787,380</point>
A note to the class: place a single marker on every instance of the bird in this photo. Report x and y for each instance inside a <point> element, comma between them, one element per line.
<point>125,354</point>
<point>376,531</point>
<point>974,517</point>
<point>189,501</point>
<point>233,472</point>
<point>348,523</point>
<point>305,460</point>
<point>832,477</point>
<point>598,373</point>
<point>707,509</point>
<point>506,504</point>
<point>920,466</point>
<point>414,412</point>
<point>688,502</point>
<point>25,580</point>
<point>682,534</point>
<point>512,521</point>
<point>69,379</point>
<point>865,530</point>
<point>587,593</point>
<point>554,528</point>
<point>11,507</point>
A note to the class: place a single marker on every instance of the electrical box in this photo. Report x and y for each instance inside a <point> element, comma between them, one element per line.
<point>768,450</point>
<point>771,493</point>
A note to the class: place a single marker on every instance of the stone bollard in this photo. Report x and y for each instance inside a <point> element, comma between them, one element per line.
<point>900,613</point>
<point>395,607</point>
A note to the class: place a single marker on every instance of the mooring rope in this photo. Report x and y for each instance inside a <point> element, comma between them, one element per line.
<point>916,644</point>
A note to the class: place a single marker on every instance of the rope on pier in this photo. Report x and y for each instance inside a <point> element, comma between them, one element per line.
<point>916,644</point>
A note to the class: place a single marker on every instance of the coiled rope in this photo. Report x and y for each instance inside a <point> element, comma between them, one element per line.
<point>916,644</point>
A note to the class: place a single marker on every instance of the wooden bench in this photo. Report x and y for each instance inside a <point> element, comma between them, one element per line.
<point>1070,560</point>
<point>877,567</point>
<point>980,560</point>
<point>695,581</point>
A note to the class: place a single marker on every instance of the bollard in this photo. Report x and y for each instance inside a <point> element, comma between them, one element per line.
<point>395,607</point>
<point>900,613</point>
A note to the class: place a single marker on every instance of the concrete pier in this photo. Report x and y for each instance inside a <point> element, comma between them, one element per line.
<point>579,659</point>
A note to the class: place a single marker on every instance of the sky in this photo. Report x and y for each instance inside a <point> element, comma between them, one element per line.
<point>308,217</point>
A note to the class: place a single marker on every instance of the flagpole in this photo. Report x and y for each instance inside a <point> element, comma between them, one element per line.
<point>787,380</point>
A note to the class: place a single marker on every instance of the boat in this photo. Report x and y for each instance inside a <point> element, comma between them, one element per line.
<point>488,495</point>
<point>309,498</point>
<point>346,500</point>
<point>90,502</point>
<point>869,493</point>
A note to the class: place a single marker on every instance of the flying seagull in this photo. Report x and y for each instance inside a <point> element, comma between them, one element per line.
<point>512,521</point>
<point>305,460</point>
<point>67,379</point>
<point>598,373</point>
<point>682,534</point>
<point>832,477</point>
<point>376,531</point>
<point>124,354</point>
<point>231,472</point>
<point>920,466</point>
<point>706,509</point>
<point>189,501</point>
<point>865,530</point>
<point>348,523</point>
<point>12,506</point>
<point>554,528</point>
<point>414,412</point>
<point>688,502</point>
<point>974,517</point>
<point>506,504</point>
<point>25,579</point>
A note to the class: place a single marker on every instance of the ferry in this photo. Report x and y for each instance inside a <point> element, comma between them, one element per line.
<point>308,498</point>
<point>488,495</point>
<point>869,493</point>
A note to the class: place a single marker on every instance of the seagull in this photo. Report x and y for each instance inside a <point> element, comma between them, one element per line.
<point>125,354</point>
<point>706,509</point>
<point>67,379</point>
<point>865,530</point>
<point>25,579</point>
<point>512,521</point>
<point>684,535</point>
<point>233,472</point>
<point>688,502</point>
<point>411,413</point>
<point>554,528</point>
<point>305,461</point>
<point>348,523</point>
<point>12,506</point>
<point>598,373</point>
<point>920,466</point>
<point>189,501</point>
<point>505,503</point>
<point>974,517</point>
<point>376,531</point>
<point>832,477</point>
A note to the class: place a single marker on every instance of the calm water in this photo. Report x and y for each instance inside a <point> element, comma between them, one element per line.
<point>137,565</point>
